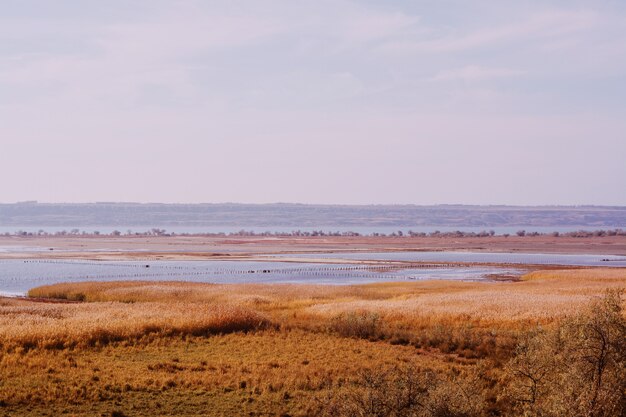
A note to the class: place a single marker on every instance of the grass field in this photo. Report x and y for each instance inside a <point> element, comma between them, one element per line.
<point>137,348</point>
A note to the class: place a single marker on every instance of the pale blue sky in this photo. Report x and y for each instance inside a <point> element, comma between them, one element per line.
<point>478,102</point>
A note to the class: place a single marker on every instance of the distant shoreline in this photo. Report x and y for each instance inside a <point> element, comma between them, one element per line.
<point>253,231</point>
<point>215,247</point>
<point>288,217</point>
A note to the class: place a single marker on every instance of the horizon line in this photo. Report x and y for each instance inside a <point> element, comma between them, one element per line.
<point>35,202</point>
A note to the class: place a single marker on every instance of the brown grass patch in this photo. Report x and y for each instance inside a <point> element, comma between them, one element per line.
<point>136,346</point>
<point>25,325</point>
<point>474,319</point>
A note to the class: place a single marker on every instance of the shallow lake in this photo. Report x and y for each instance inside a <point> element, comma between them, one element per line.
<point>481,257</point>
<point>18,276</point>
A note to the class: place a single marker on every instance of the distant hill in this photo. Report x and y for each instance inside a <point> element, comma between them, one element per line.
<point>305,215</point>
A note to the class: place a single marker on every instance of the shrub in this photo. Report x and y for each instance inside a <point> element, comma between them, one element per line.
<point>578,369</point>
<point>360,324</point>
<point>408,391</point>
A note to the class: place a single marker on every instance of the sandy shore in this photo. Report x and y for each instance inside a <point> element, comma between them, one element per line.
<point>201,247</point>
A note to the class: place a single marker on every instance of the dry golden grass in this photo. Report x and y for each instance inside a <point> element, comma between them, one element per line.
<point>540,296</point>
<point>451,315</point>
<point>301,340</point>
<point>25,325</point>
<point>580,276</point>
<point>263,373</point>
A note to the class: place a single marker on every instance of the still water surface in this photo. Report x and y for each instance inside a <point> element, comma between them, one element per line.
<point>18,276</point>
<point>481,257</point>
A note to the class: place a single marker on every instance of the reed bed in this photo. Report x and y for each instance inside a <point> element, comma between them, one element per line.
<point>25,326</point>
<point>474,319</point>
<point>147,291</point>
<point>264,373</point>
<point>540,296</point>
<point>186,348</point>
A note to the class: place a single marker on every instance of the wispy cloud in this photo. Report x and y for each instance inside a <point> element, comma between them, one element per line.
<point>377,26</point>
<point>547,25</point>
<point>180,83</point>
<point>475,72</point>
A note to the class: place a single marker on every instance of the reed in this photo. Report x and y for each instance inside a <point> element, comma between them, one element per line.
<point>267,349</point>
<point>25,326</point>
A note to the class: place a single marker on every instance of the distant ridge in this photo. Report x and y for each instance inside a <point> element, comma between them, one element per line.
<point>32,213</point>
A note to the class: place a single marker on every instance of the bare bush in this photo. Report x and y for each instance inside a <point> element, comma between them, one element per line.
<point>408,391</point>
<point>359,324</point>
<point>578,369</point>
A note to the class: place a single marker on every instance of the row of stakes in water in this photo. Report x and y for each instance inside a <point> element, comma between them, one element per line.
<point>365,271</point>
<point>279,270</point>
<point>304,273</point>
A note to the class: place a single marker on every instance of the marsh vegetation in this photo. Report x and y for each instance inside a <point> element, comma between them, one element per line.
<point>549,345</point>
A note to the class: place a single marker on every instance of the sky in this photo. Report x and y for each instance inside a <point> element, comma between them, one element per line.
<point>342,102</point>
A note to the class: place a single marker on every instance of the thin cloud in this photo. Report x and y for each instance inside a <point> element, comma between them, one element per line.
<point>384,94</point>
<point>549,25</point>
<point>376,26</point>
<point>475,72</point>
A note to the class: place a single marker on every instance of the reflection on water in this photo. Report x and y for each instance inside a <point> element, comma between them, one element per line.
<point>481,257</point>
<point>18,276</point>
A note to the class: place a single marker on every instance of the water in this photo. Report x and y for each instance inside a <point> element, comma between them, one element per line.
<point>18,276</point>
<point>481,257</point>
<point>21,249</point>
